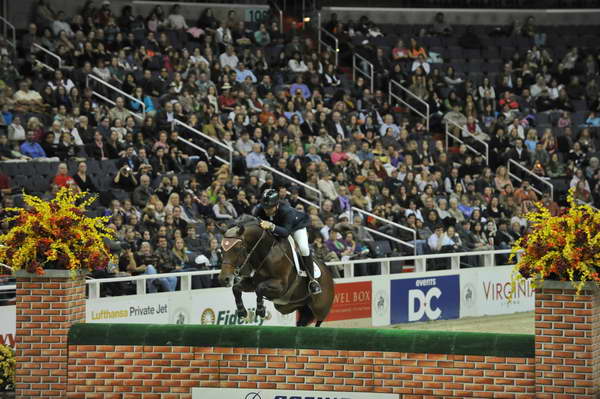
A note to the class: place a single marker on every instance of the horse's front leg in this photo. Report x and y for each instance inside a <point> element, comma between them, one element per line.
<point>245,285</point>
<point>239,303</point>
<point>261,311</point>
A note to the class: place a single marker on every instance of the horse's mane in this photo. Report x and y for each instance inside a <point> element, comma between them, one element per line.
<point>237,226</point>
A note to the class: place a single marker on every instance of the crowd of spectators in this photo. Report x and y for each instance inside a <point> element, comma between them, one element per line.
<point>278,102</point>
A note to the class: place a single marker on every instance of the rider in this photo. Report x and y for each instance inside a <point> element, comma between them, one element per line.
<point>283,220</point>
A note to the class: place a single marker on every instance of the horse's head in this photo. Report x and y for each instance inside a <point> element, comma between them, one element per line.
<point>238,245</point>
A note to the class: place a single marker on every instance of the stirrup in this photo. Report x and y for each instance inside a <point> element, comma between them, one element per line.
<point>314,287</point>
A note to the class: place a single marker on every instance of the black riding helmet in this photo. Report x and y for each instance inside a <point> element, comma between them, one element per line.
<point>270,198</point>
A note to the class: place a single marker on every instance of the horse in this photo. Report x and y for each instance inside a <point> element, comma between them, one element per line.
<point>254,260</point>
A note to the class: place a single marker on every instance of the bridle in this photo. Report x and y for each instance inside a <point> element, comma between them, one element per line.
<point>244,269</point>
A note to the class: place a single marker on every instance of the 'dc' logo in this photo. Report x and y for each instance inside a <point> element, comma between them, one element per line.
<point>253,395</point>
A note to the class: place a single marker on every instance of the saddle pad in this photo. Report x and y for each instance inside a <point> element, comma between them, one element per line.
<point>302,273</point>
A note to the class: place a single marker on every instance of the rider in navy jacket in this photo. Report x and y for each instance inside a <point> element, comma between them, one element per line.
<point>283,220</point>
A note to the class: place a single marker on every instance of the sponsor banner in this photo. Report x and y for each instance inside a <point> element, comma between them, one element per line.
<point>214,306</point>
<point>129,309</point>
<point>8,325</point>
<point>234,393</point>
<point>351,301</point>
<point>485,292</point>
<point>424,299</point>
<point>219,308</point>
<point>380,303</point>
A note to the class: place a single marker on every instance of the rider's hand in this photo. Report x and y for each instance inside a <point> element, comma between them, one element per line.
<point>266,225</point>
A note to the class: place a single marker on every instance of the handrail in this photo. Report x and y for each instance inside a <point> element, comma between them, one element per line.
<point>523,168</point>
<point>202,150</point>
<point>355,69</point>
<point>420,262</point>
<point>397,225</point>
<point>121,92</point>
<point>460,140</point>
<point>51,54</point>
<point>389,237</point>
<point>335,49</point>
<point>280,16</point>
<point>7,24</point>
<point>211,139</point>
<point>407,91</point>
<point>298,182</point>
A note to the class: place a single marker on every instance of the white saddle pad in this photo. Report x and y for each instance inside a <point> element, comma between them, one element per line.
<point>302,273</point>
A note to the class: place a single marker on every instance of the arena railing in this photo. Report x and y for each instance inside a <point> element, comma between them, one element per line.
<point>51,55</point>
<point>364,213</point>
<point>485,145</point>
<point>419,261</point>
<point>196,147</point>
<point>398,98</point>
<point>357,68</point>
<point>211,139</point>
<point>334,47</point>
<point>117,90</point>
<point>514,164</point>
<point>298,182</point>
<point>6,26</point>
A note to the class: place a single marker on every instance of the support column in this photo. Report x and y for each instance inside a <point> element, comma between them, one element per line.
<point>47,306</point>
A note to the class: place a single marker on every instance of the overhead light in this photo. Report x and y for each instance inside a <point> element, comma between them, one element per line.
<point>306,19</point>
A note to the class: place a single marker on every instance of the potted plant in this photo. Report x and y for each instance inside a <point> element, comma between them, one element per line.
<point>560,248</point>
<point>8,365</point>
<point>55,234</point>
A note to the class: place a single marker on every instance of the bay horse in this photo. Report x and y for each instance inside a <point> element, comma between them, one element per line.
<point>254,260</point>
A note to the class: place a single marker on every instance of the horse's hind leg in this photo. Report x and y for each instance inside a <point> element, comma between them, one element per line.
<point>261,311</point>
<point>306,316</point>
<point>237,294</point>
<point>318,323</point>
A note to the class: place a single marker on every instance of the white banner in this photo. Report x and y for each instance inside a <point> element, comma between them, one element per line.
<point>380,311</point>
<point>8,325</point>
<point>485,291</point>
<point>210,306</point>
<point>234,393</point>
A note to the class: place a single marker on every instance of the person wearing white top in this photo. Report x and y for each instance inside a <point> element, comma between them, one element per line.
<point>229,58</point>
<point>16,131</point>
<point>296,64</point>
<point>439,239</point>
<point>327,186</point>
<point>176,20</point>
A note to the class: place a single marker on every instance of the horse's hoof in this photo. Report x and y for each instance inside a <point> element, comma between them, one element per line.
<point>242,313</point>
<point>261,311</point>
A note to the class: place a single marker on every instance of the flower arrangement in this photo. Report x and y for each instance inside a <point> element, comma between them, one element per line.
<point>55,234</point>
<point>564,247</point>
<point>8,364</point>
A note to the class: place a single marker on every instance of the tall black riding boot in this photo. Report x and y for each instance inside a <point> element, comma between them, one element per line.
<point>313,285</point>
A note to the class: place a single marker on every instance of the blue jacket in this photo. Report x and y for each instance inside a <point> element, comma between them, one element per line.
<point>286,219</point>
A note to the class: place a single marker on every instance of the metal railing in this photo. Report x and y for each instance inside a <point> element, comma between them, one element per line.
<point>485,145</point>
<point>197,147</point>
<point>274,4</point>
<point>333,47</point>
<point>517,165</point>
<point>419,262</point>
<point>6,25</point>
<point>211,139</point>
<point>116,89</point>
<point>389,222</point>
<point>298,182</point>
<point>51,55</point>
<point>398,98</point>
<point>364,64</point>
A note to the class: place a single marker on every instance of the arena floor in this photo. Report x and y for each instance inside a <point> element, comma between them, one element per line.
<point>517,323</point>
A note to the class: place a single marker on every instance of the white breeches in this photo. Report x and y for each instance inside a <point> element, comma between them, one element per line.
<point>301,238</point>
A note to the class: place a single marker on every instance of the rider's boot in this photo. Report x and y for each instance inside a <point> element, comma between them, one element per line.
<point>313,285</point>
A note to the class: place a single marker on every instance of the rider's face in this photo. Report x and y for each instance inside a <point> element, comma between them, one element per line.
<point>271,211</point>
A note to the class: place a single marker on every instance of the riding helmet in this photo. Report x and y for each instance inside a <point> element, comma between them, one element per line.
<point>270,198</point>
